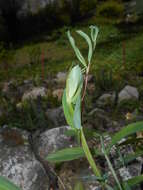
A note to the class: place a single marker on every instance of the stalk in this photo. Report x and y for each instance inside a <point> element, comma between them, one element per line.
<point>110,165</point>
<point>89,155</point>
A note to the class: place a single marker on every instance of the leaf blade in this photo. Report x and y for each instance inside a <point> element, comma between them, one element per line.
<point>126,131</point>
<point>7,185</point>
<point>66,154</point>
<point>88,40</point>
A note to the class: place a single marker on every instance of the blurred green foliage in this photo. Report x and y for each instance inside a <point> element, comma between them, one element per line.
<point>110,9</point>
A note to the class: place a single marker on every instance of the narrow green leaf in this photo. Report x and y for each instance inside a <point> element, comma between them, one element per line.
<point>76,50</point>
<point>94,34</point>
<point>7,185</point>
<point>129,158</point>
<point>135,180</point>
<point>110,164</point>
<point>67,111</point>
<point>66,154</point>
<point>125,132</point>
<point>126,186</point>
<point>71,133</point>
<point>86,37</point>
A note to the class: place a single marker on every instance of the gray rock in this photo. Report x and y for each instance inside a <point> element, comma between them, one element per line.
<point>100,120</point>
<point>52,140</point>
<point>34,93</point>
<point>129,92</point>
<point>61,77</point>
<point>55,139</point>
<point>18,163</point>
<point>26,86</point>
<point>56,116</point>
<point>106,99</point>
<point>132,169</point>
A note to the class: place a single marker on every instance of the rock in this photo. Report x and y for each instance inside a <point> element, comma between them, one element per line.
<point>99,119</point>
<point>55,139</point>
<point>133,168</point>
<point>56,116</point>
<point>129,92</point>
<point>106,99</point>
<point>61,77</point>
<point>27,85</point>
<point>58,93</point>
<point>52,140</point>
<point>18,163</point>
<point>10,90</point>
<point>34,93</point>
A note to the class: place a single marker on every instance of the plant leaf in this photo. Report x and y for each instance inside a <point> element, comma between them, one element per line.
<point>77,114</point>
<point>126,131</point>
<point>131,182</point>
<point>131,157</point>
<point>126,186</point>
<point>135,180</point>
<point>67,111</point>
<point>86,37</point>
<point>71,133</point>
<point>66,154</point>
<point>94,34</point>
<point>7,185</point>
<point>76,50</point>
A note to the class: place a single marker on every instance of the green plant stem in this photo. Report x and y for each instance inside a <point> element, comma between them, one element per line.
<point>78,137</point>
<point>89,155</point>
<point>86,82</point>
<point>110,165</point>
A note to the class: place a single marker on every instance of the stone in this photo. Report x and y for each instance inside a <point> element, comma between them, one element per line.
<point>55,139</point>
<point>61,77</point>
<point>100,120</point>
<point>127,93</point>
<point>58,93</point>
<point>133,168</point>
<point>106,99</point>
<point>56,116</point>
<point>18,163</point>
<point>27,85</point>
<point>52,140</point>
<point>34,93</point>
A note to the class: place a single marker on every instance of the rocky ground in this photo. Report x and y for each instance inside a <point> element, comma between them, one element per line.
<point>24,150</point>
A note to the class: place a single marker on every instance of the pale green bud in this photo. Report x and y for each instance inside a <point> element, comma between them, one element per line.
<point>74,84</point>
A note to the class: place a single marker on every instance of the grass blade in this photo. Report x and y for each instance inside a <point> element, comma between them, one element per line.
<point>125,132</point>
<point>66,154</point>
<point>7,185</point>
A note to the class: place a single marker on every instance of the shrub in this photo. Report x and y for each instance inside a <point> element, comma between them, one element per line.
<point>110,9</point>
